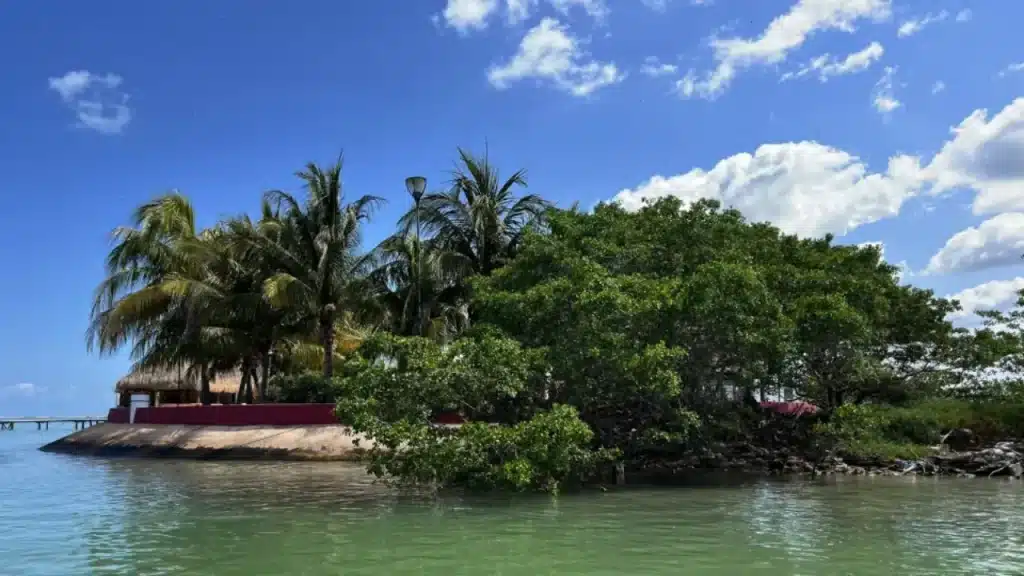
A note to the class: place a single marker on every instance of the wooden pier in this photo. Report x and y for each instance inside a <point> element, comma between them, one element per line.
<point>41,422</point>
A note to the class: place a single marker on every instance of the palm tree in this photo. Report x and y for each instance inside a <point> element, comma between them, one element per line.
<point>479,217</point>
<point>439,294</point>
<point>313,248</point>
<point>138,302</point>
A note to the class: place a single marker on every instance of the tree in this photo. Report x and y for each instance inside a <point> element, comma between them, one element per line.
<point>420,298</point>
<point>137,304</point>
<point>479,217</point>
<point>313,246</point>
<point>647,319</point>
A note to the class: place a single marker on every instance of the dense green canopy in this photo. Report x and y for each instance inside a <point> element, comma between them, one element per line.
<point>585,336</point>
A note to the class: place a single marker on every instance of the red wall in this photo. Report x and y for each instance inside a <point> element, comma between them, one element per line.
<point>240,415</point>
<point>231,415</point>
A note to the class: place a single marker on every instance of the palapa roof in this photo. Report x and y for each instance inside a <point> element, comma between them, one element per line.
<point>158,380</point>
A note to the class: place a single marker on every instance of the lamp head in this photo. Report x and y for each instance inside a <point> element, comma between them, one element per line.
<point>416,185</point>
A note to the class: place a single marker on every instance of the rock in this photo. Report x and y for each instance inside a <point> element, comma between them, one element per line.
<point>1017,470</point>
<point>959,439</point>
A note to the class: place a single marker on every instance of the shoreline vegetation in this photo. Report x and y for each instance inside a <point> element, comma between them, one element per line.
<point>580,346</point>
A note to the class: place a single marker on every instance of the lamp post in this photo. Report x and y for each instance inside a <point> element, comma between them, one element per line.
<point>416,185</point>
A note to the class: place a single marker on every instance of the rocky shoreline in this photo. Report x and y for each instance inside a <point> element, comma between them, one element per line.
<point>1000,460</point>
<point>1003,459</point>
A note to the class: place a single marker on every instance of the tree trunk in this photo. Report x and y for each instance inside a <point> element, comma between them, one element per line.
<point>327,339</point>
<point>265,368</point>
<point>204,387</point>
<point>245,385</point>
<point>248,386</point>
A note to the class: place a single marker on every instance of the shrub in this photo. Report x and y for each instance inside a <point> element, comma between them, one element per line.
<point>903,432</point>
<point>307,387</point>
<point>545,453</point>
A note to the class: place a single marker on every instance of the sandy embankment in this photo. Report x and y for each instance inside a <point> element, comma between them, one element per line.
<point>323,442</point>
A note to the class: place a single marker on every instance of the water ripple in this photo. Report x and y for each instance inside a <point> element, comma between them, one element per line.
<point>70,516</point>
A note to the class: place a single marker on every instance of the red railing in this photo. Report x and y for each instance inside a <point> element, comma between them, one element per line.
<point>242,415</point>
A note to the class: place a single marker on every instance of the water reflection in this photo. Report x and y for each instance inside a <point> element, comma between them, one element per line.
<point>73,516</point>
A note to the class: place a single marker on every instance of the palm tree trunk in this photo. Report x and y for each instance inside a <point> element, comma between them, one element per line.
<point>245,385</point>
<point>204,386</point>
<point>327,340</point>
<point>265,369</point>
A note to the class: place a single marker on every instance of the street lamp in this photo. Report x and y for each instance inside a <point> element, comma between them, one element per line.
<point>416,185</point>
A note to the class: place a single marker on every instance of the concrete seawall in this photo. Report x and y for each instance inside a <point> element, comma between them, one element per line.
<point>327,442</point>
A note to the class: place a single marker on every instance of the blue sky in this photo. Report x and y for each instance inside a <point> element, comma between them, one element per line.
<point>877,120</point>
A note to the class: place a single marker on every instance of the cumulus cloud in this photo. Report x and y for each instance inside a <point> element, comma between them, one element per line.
<point>550,54</point>
<point>994,295</point>
<point>884,95</point>
<point>985,155</point>
<point>98,101</point>
<point>654,68</point>
<point>826,66</point>
<point>996,242</point>
<point>808,188</point>
<point>783,35</point>
<point>805,188</point>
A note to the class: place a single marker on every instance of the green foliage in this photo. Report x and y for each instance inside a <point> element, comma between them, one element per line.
<point>395,378</point>
<point>307,387</point>
<point>390,392</point>
<point>544,453</point>
<point>641,333</point>
<point>907,431</point>
<point>865,431</point>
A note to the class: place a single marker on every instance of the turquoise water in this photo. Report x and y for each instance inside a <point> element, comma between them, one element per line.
<point>70,516</point>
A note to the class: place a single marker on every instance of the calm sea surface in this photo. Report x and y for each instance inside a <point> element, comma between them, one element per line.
<point>70,516</point>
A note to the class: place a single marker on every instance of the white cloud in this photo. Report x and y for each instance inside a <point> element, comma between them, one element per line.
<point>809,189</point>
<point>964,15</point>
<point>805,188</point>
<point>1011,69</point>
<point>596,9</point>
<point>783,35</point>
<point>998,241</point>
<point>654,68</point>
<point>985,155</point>
<point>517,11</point>
<point>474,15</point>
<point>995,295</point>
<point>913,26</point>
<point>549,53</point>
<point>883,97</point>
<point>825,66</point>
<point>465,15</point>
<point>939,86</point>
<point>97,100</point>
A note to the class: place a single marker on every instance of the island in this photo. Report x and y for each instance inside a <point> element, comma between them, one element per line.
<point>496,341</point>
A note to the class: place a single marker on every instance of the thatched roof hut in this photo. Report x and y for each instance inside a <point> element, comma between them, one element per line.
<point>167,379</point>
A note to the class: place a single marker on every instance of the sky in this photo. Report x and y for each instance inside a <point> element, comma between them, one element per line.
<point>898,122</point>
